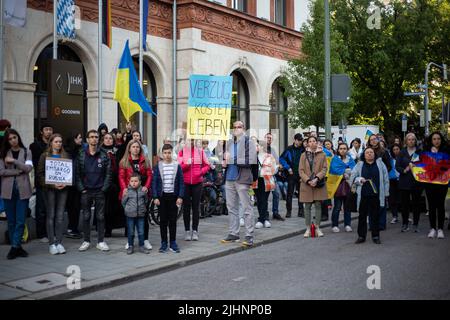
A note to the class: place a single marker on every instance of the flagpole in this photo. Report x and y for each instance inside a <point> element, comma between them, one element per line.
<point>1,57</point>
<point>99,61</point>
<point>55,31</point>
<point>141,61</point>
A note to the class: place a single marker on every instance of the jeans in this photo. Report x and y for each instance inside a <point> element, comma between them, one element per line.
<point>275,200</point>
<point>87,200</point>
<point>41,214</point>
<point>436,195</point>
<point>237,195</point>
<point>318,213</point>
<point>133,223</point>
<point>16,212</point>
<point>192,196</point>
<point>282,187</point>
<point>338,202</point>
<point>262,198</point>
<point>293,183</point>
<point>369,206</point>
<point>168,216</point>
<point>56,203</point>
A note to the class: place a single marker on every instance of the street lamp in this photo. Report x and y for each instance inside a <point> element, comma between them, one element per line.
<point>444,73</point>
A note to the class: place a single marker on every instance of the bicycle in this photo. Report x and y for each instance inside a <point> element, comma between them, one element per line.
<point>212,201</point>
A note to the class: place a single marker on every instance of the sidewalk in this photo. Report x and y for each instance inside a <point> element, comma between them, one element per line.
<point>43,276</point>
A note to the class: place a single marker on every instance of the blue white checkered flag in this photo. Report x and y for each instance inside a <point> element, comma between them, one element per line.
<point>65,25</point>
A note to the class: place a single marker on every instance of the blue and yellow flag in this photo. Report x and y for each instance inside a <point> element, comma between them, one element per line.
<point>336,173</point>
<point>432,168</point>
<point>329,156</point>
<point>127,90</point>
<point>368,134</point>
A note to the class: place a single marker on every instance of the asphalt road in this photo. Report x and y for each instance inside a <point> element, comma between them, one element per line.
<point>411,267</point>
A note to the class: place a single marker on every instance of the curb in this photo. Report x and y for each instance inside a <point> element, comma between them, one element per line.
<point>63,293</point>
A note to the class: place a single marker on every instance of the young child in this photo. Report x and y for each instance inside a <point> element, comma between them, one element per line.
<point>134,202</point>
<point>168,192</point>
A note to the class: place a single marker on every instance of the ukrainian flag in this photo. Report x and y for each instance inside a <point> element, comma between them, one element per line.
<point>127,90</point>
<point>329,156</point>
<point>368,134</point>
<point>336,173</point>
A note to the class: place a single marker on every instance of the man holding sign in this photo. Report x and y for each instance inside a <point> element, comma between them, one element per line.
<point>54,173</point>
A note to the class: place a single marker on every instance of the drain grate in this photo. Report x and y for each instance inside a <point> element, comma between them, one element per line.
<point>39,283</point>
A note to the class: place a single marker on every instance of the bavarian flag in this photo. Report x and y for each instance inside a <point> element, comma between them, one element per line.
<point>336,173</point>
<point>127,90</point>
<point>432,168</point>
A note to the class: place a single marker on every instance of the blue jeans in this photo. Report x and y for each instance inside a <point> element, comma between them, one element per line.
<point>338,202</point>
<point>282,187</point>
<point>16,212</point>
<point>132,223</point>
<point>275,200</point>
<point>2,205</point>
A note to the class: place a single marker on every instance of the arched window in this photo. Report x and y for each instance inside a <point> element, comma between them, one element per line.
<point>240,102</point>
<point>278,118</point>
<point>149,88</point>
<point>40,77</point>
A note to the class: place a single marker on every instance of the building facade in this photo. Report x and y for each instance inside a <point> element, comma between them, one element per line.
<point>248,39</point>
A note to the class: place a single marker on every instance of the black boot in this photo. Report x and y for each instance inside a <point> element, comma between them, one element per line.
<point>288,214</point>
<point>12,254</point>
<point>301,212</point>
<point>21,252</point>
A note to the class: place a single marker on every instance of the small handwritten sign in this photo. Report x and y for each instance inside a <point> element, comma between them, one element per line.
<point>58,171</point>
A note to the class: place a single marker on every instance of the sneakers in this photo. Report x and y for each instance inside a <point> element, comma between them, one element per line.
<point>432,234</point>
<point>147,245</point>
<point>164,247</point>
<point>188,236</point>
<point>376,240</point>
<point>241,222</point>
<point>84,246</point>
<point>21,253</point>
<point>194,235</point>
<point>127,246</point>
<point>248,242</point>
<point>307,233</point>
<point>102,246</point>
<point>301,213</point>
<point>335,229</point>
<point>360,240</point>
<point>174,247</point>
<point>73,234</point>
<point>288,214</point>
<point>43,240</point>
<point>130,250</point>
<point>267,224</point>
<point>319,232</point>
<point>61,249</point>
<point>394,221</point>
<point>416,229</point>
<point>440,234</point>
<point>52,249</point>
<point>278,217</point>
<point>3,215</point>
<point>230,238</point>
<point>348,229</point>
<point>259,225</point>
<point>405,228</point>
<point>12,254</point>
<point>144,250</point>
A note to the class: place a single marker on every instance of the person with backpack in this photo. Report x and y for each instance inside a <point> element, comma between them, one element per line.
<point>15,165</point>
<point>290,160</point>
<point>195,166</point>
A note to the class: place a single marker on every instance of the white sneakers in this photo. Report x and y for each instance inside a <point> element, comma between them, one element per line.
<point>267,224</point>
<point>147,245</point>
<point>259,225</point>
<point>52,249</point>
<point>187,236</point>
<point>127,246</point>
<point>307,233</point>
<point>60,249</point>
<point>348,229</point>
<point>102,246</point>
<point>335,229</point>
<point>432,234</point>
<point>194,235</point>
<point>394,221</point>
<point>84,246</point>
<point>44,240</point>
<point>241,222</point>
<point>319,233</point>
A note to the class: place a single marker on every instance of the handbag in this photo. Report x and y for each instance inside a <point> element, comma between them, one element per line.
<point>343,189</point>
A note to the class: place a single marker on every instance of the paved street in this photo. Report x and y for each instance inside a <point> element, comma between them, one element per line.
<point>412,267</point>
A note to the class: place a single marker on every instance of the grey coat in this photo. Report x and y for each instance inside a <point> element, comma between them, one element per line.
<point>355,178</point>
<point>135,203</point>
<point>245,175</point>
<point>20,174</point>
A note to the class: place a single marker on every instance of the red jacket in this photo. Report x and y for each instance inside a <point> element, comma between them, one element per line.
<point>125,175</point>
<point>193,173</point>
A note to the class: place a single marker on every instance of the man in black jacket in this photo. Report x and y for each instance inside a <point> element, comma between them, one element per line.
<point>94,177</point>
<point>290,160</point>
<point>37,148</point>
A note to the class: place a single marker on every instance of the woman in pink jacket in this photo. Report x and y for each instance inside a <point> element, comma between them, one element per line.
<point>195,165</point>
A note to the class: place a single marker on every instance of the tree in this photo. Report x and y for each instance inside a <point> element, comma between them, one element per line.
<point>303,78</point>
<point>386,62</point>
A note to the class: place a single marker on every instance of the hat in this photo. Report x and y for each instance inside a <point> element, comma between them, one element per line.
<point>4,124</point>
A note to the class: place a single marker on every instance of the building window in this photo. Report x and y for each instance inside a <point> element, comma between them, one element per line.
<point>278,122</point>
<point>280,12</point>
<point>240,109</point>
<point>149,87</point>
<point>240,5</point>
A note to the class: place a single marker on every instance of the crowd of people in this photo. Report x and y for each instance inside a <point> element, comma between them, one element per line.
<point>113,174</point>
